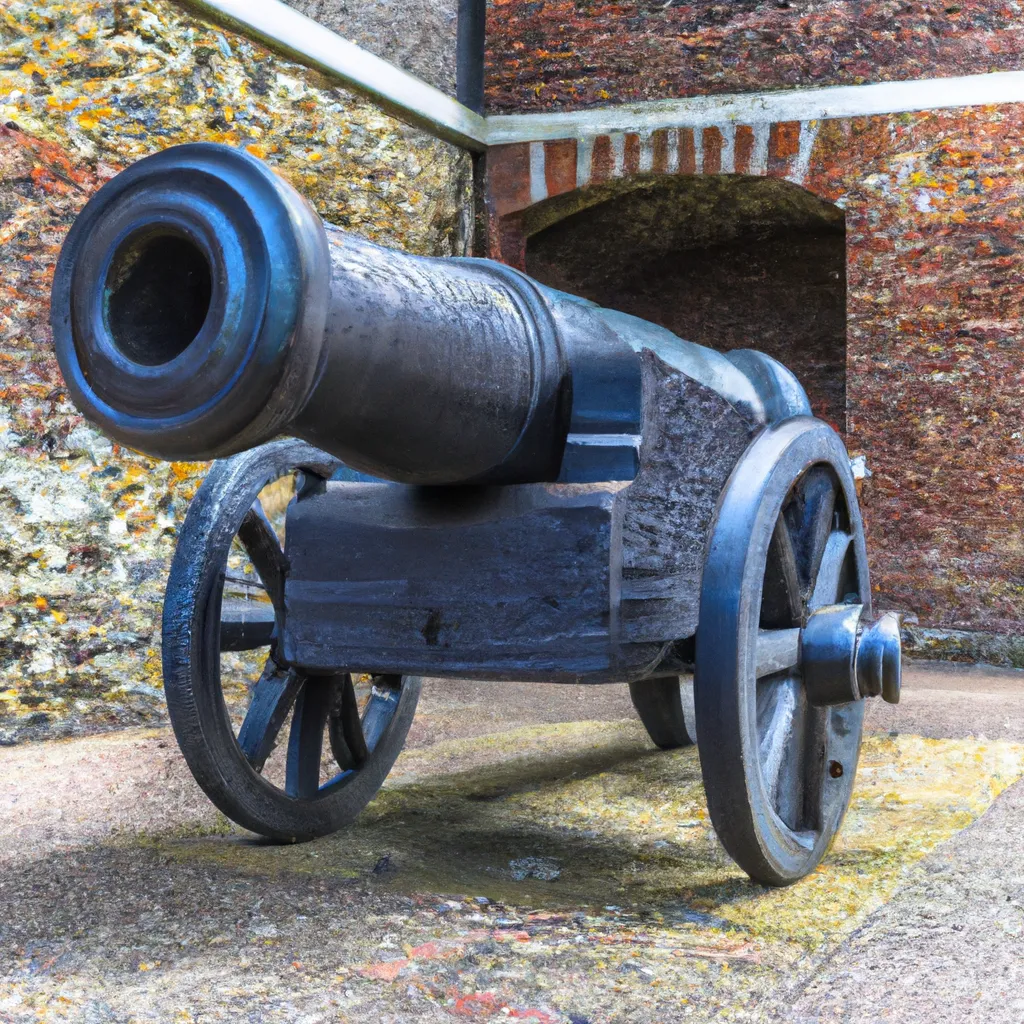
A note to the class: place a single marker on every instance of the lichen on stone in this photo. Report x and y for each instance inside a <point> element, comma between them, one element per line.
<point>87,530</point>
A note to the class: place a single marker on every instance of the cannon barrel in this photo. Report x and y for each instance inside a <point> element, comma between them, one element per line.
<point>201,307</point>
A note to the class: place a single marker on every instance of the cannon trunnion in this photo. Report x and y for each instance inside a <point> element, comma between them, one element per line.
<point>489,479</point>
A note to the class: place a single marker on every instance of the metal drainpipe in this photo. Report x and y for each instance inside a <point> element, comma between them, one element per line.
<point>469,91</point>
<point>469,55</point>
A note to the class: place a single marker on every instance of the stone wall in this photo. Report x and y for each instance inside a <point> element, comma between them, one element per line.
<point>87,529</point>
<point>416,35</point>
<point>570,54</point>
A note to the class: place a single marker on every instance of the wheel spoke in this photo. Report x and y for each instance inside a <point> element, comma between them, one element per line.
<point>264,551</point>
<point>383,704</point>
<point>815,739</point>
<point>781,602</point>
<point>245,625</point>
<point>777,701</point>
<point>810,516</point>
<point>777,651</point>
<point>789,793</point>
<point>245,581</point>
<point>306,739</point>
<point>272,699</point>
<point>345,729</point>
<point>689,709</point>
<point>828,584</point>
<point>804,570</point>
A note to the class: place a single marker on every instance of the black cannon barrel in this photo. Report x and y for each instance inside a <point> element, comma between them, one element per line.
<point>200,307</point>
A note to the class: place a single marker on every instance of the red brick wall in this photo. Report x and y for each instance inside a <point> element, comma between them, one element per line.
<point>570,54</point>
<point>934,208</point>
<point>936,369</point>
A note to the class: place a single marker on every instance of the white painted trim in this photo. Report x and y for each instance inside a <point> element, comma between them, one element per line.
<point>584,156</point>
<point>538,173</point>
<point>618,144</point>
<point>762,107</point>
<point>759,155</point>
<point>646,152</point>
<point>672,142</point>
<point>728,131</point>
<point>407,97</point>
<point>802,164</point>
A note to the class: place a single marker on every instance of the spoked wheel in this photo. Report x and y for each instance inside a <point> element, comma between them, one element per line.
<point>284,754</point>
<point>665,706</point>
<point>777,662</point>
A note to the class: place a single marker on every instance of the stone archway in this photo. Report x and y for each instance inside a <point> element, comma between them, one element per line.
<point>729,261</point>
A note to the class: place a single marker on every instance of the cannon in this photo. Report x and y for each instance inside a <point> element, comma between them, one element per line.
<point>474,476</point>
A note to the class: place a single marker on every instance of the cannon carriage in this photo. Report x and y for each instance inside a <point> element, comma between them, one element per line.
<point>488,479</point>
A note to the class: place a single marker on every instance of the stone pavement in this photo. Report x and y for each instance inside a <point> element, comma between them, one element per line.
<point>534,858</point>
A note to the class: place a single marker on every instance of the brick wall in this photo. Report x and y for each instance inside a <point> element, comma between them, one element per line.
<point>570,54</point>
<point>934,346</point>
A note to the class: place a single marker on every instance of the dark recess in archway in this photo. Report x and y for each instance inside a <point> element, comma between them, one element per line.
<point>726,261</point>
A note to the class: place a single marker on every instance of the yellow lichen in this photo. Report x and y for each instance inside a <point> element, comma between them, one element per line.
<point>628,825</point>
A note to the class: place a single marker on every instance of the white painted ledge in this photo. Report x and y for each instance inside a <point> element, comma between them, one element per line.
<point>407,97</point>
<point>762,107</point>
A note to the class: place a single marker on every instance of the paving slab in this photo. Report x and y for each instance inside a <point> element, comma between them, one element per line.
<point>532,857</point>
<point>949,946</point>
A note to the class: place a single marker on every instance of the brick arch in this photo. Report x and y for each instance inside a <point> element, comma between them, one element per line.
<point>522,177</point>
<point>728,260</point>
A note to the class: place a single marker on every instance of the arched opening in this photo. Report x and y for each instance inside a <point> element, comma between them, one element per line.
<point>726,261</point>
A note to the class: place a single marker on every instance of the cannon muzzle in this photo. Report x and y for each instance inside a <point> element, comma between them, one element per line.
<point>200,307</point>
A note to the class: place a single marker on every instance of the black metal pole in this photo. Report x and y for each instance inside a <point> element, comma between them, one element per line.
<point>469,56</point>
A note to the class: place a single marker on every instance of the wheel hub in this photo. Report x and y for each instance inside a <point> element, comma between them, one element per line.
<point>843,658</point>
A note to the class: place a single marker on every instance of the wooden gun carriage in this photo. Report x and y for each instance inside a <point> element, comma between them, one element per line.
<point>492,480</point>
